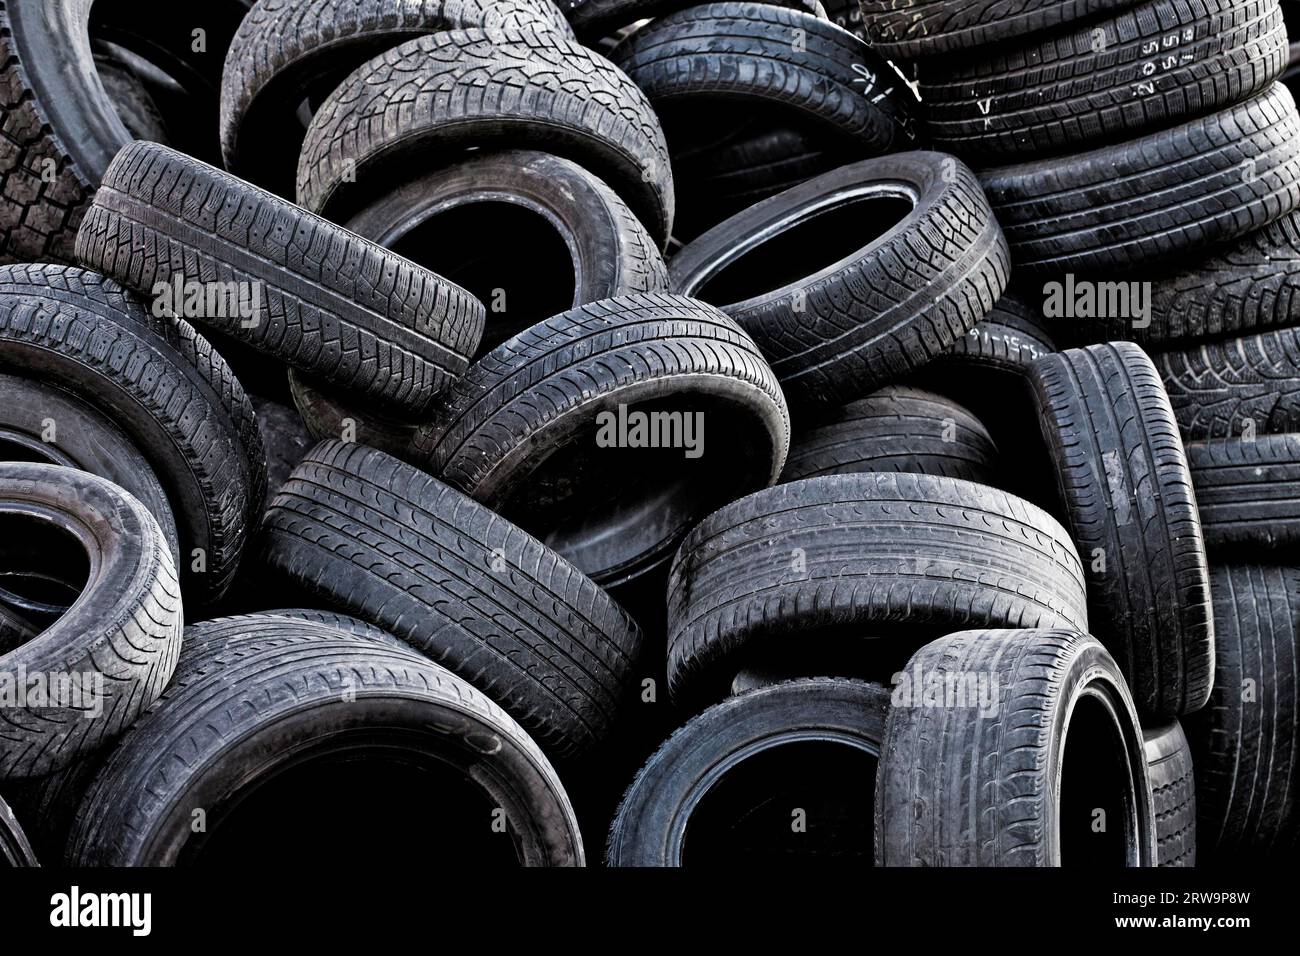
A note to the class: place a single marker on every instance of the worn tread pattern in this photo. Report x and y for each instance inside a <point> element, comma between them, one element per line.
<point>1244,744</point>
<point>898,428</point>
<point>1248,492</point>
<point>927,553</point>
<point>1160,63</point>
<point>530,88</point>
<point>331,302</point>
<point>386,543</point>
<point>1235,388</point>
<point>1117,207</point>
<point>958,787</point>
<point>240,675</point>
<point>1173,791</point>
<point>167,388</point>
<point>1123,479</point>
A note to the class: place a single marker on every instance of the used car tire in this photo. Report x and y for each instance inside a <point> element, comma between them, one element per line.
<point>898,428</point>
<point>594,20</point>
<point>289,52</point>
<point>882,307</point>
<point>1010,338</point>
<point>253,698</point>
<point>1235,388</point>
<point>1173,792</point>
<point>15,850</point>
<point>861,557</point>
<point>1126,488</point>
<point>429,99</point>
<point>1248,492</point>
<point>328,413</point>
<point>678,794</point>
<point>376,538</point>
<point>1243,741</point>
<point>1117,207</point>
<point>124,628</point>
<point>958,788</point>
<point>314,294</point>
<point>522,432</point>
<point>167,389</point>
<point>1149,67</point>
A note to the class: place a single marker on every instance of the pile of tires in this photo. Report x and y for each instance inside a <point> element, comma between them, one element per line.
<point>870,429</point>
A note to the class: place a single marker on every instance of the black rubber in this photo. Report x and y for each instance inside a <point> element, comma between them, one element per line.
<point>1157,197</point>
<point>313,294</point>
<point>328,413</point>
<point>860,557</point>
<point>1173,792</point>
<point>120,638</point>
<point>164,386</point>
<point>912,29</point>
<point>1248,493</point>
<point>15,850</point>
<point>45,423</point>
<point>594,20</point>
<point>962,787</point>
<point>287,53</point>
<point>254,697</point>
<point>671,815</point>
<point>1008,339</point>
<point>1124,482</point>
<point>522,432</point>
<point>1149,67</point>
<point>60,128</point>
<point>898,428</point>
<point>378,539</point>
<point>838,323</point>
<point>426,101</point>
<point>15,628</point>
<point>1243,742</point>
<point>1235,388</point>
<point>713,66</point>
<point>469,222</point>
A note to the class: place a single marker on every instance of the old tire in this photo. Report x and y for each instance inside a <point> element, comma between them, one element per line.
<point>1248,493</point>
<point>1173,793</point>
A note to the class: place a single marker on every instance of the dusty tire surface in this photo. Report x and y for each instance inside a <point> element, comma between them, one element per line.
<point>1248,493</point>
<point>1173,791</point>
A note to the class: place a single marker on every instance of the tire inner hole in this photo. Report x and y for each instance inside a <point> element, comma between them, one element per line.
<point>42,568</point>
<point>1095,799</point>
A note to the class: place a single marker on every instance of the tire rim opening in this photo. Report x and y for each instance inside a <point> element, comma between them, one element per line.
<point>43,568</point>
<point>1098,820</point>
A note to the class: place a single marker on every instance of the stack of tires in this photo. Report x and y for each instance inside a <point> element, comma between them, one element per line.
<point>410,413</point>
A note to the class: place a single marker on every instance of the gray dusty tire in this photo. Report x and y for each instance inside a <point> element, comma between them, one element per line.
<point>959,787</point>
<point>252,697</point>
<point>167,389</point>
<point>533,430</point>
<point>594,20</point>
<point>1126,489</point>
<point>309,292</point>
<point>15,850</point>
<point>836,330</point>
<point>1248,494</point>
<point>1173,793</point>
<point>863,558</point>
<point>379,540</point>
<point>120,637</point>
<point>674,796</point>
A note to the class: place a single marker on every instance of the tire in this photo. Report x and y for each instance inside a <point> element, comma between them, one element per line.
<point>426,101</point>
<point>164,386</point>
<point>1248,493</point>
<point>835,332</point>
<point>15,629</point>
<point>1009,339</point>
<point>533,431</point>
<point>710,61</point>
<point>605,246</point>
<point>1126,490</point>
<point>329,414</point>
<point>1173,792</point>
<point>850,557</point>
<point>375,538</point>
<point>675,795</point>
<point>593,20</point>
<point>1158,197</point>
<point>251,699</point>
<point>58,121</point>
<point>44,423</point>
<point>1243,743</point>
<point>121,635</point>
<point>1235,388</point>
<point>289,52</point>
<point>916,29</point>
<point>898,428</point>
<point>130,98</point>
<point>15,851</point>
<point>1153,66</point>
<point>309,292</point>
<point>958,787</point>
